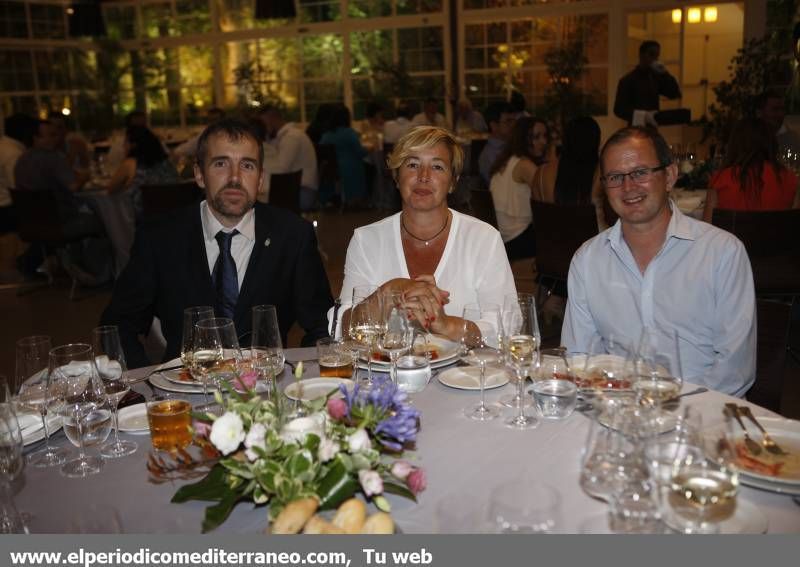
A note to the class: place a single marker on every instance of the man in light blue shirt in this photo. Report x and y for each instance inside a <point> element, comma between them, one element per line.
<point>661,270</point>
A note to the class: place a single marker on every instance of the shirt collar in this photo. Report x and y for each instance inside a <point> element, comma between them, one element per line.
<point>211,226</point>
<point>679,227</point>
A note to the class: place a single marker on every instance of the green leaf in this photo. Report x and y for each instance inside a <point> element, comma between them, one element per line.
<point>298,464</point>
<point>382,503</point>
<point>336,487</point>
<point>218,513</point>
<point>398,489</point>
<point>210,488</point>
<point>238,468</point>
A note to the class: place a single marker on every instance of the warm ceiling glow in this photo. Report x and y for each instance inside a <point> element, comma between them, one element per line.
<point>677,16</point>
<point>710,14</point>
<point>693,15</point>
<point>66,111</point>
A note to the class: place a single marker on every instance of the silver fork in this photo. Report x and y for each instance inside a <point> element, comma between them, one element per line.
<point>733,411</point>
<point>767,441</point>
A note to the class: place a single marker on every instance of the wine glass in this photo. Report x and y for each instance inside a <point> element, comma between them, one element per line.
<point>658,376</point>
<point>87,420</point>
<point>702,488</point>
<point>217,356</point>
<point>191,315</point>
<point>11,465</point>
<point>396,333</point>
<point>365,324</point>
<point>521,335</point>
<point>110,361</point>
<point>479,346</point>
<point>266,347</point>
<point>32,357</point>
<point>524,505</point>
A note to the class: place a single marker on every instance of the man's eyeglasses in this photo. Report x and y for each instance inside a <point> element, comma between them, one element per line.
<point>639,176</point>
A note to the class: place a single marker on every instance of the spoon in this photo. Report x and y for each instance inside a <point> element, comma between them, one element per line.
<point>699,390</point>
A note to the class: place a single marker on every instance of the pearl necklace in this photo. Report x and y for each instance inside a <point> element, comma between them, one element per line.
<point>428,240</point>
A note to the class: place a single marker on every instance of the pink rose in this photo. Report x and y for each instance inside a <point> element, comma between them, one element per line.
<point>245,381</point>
<point>337,408</point>
<point>401,469</point>
<point>416,481</point>
<point>201,428</point>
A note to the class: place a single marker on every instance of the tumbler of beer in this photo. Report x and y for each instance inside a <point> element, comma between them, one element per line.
<point>334,360</point>
<point>170,422</point>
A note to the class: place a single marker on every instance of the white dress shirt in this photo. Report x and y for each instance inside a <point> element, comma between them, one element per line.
<point>10,150</point>
<point>291,150</point>
<point>241,244</point>
<point>393,130</point>
<point>474,267</point>
<point>512,201</point>
<point>421,119</point>
<point>700,284</point>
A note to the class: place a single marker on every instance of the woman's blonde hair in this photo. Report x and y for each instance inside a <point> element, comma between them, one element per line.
<point>423,138</point>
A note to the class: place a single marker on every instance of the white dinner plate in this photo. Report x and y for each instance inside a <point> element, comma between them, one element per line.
<point>159,381</point>
<point>174,376</point>
<point>468,378</point>
<point>133,419</point>
<point>31,426</point>
<point>447,349</point>
<point>747,519</point>
<point>786,433</point>
<point>777,487</point>
<point>313,388</point>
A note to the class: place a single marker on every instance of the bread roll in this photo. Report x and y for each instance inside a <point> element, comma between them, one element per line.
<point>378,523</point>
<point>294,516</point>
<point>351,516</point>
<point>318,525</point>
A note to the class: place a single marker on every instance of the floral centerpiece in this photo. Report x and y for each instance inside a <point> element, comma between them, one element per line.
<point>329,449</point>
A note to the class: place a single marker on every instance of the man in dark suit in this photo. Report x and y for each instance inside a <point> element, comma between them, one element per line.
<point>228,251</point>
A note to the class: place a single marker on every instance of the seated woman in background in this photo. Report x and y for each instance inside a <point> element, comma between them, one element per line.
<point>512,179</point>
<point>438,258</point>
<point>146,164</point>
<point>752,178</point>
<point>574,177</point>
<point>349,156</point>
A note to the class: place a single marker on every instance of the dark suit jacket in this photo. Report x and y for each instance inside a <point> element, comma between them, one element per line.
<point>168,272</point>
<point>640,89</point>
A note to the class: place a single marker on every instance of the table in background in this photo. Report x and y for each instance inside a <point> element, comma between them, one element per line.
<point>119,219</point>
<point>690,201</point>
<point>460,457</point>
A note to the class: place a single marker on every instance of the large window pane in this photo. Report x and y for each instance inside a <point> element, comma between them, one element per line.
<point>369,8</point>
<point>319,10</point>
<point>157,20</point>
<point>16,71</point>
<point>322,56</point>
<point>47,21</point>
<point>120,21</point>
<point>52,69</point>
<point>12,20</point>
<point>191,16</point>
<point>418,6</point>
<point>421,48</point>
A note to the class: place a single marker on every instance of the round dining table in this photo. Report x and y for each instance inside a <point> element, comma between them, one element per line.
<point>463,460</point>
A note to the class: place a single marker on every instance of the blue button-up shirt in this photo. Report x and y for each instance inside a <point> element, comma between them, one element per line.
<point>700,284</point>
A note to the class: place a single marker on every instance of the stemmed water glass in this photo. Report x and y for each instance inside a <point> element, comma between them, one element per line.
<point>479,346</point>
<point>73,374</point>
<point>191,315</point>
<point>658,376</point>
<point>110,361</point>
<point>217,356</point>
<point>396,334</point>
<point>365,324</point>
<point>32,355</point>
<point>11,465</point>
<point>266,348</point>
<point>521,342</point>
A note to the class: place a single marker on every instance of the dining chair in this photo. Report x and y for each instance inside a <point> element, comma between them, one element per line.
<point>773,320</point>
<point>159,199</point>
<point>772,240</point>
<point>284,190</point>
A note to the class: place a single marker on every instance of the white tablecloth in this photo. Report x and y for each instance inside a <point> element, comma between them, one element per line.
<point>460,457</point>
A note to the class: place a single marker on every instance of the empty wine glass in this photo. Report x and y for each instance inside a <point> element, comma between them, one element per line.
<point>524,505</point>
<point>87,419</point>
<point>365,324</point>
<point>396,333</point>
<point>11,465</point>
<point>520,335</point>
<point>33,358</point>
<point>191,315</point>
<point>217,357</point>
<point>658,374</point>
<point>266,348</point>
<point>110,361</point>
<point>480,347</point>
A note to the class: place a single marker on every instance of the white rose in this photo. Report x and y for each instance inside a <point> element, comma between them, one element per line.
<point>371,482</point>
<point>297,429</point>
<point>359,441</point>
<point>255,438</point>
<point>227,433</point>
<point>328,450</point>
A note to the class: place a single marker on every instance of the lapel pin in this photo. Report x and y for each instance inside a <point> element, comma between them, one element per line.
<point>267,242</point>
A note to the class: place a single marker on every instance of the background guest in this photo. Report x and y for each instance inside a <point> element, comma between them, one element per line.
<point>640,89</point>
<point>321,122</point>
<point>19,130</point>
<point>395,129</point>
<point>349,157</point>
<point>512,178</point>
<point>73,145</point>
<point>500,117</point>
<point>752,178</point>
<point>468,122</point>
<point>430,115</point>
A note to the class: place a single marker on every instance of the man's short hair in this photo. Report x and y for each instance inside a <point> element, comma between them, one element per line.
<point>270,107</point>
<point>647,45</point>
<point>761,100</point>
<point>495,109</point>
<point>21,127</point>
<point>660,145</point>
<point>235,130</point>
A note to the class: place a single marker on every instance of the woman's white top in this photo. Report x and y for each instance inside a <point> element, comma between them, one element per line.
<point>512,201</point>
<point>474,267</point>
